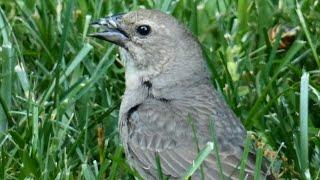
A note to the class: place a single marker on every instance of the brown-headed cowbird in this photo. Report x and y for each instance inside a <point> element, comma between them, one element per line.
<point>169,100</point>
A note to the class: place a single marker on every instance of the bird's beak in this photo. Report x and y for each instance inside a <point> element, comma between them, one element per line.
<point>111,30</point>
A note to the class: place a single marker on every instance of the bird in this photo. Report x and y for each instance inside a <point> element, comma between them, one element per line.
<point>169,103</point>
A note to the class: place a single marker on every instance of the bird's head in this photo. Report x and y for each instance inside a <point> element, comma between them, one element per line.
<point>152,42</point>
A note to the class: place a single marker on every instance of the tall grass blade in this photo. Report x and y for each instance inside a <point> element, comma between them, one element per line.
<point>216,147</point>
<point>159,168</point>
<point>255,110</point>
<point>257,169</point>
<point>198,161</point>
<point>77,60</point>
<point>243,14</point>
<point>87,172</point>
<point>304,145</point>
<point>195,139</point>
<point>66,24</point>
<point>7,70</point>
<point>307,33</point>
<point>245,155</point>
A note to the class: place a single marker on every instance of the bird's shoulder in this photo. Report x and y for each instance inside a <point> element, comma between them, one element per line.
<point>150,125</point>
<point>169,115</point>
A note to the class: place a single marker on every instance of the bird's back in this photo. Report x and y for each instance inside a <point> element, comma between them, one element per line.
<point>160,124</point>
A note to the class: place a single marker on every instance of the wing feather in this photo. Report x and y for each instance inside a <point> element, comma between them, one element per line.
<point>163,128</point>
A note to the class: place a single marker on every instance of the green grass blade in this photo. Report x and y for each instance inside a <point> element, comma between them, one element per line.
<point>193,21</point>
<point>77,60</point>
<point>35,128</point>
<point>23,78</point>
<point>195,139</point>
<point>31,27</point>
<point>103,169</point>
<point>159,168</point>
<point>4,28</point>
<point>304,145</point>
<point>115,165</point>
<point>254,112</point>
<point>87,172</point>
<point>198,161</point>
<point>216,147</point>
<point>257,168</point>
<point>86,27</point>
<point>66,24</point>
<point>7,69</point>
<point>243,14</point>
<point>269,171</point>
<point>245,154</point>
<point>307,33</point>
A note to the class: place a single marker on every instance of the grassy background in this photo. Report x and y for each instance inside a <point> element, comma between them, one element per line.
<point>60,91</point>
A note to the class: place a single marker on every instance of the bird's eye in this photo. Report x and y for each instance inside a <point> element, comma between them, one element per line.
<point>144,30</point>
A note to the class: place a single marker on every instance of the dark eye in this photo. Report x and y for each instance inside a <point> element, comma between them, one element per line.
<point>144,30</point>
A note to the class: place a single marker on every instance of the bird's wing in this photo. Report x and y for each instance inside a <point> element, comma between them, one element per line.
<point>162,127</point>
<point>175,162</point>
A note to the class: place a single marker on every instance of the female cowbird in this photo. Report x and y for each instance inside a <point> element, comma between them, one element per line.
<point>169,103</point>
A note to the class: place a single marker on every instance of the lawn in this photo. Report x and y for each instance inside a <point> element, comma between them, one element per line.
<point>60,91</point>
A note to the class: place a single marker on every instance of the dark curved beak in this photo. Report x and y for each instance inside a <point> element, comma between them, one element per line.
<point>111,30</point>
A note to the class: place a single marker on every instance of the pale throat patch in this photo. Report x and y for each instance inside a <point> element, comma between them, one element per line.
<point>135,77</point>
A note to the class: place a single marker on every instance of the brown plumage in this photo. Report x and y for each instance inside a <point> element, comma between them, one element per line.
<point>166,82</point>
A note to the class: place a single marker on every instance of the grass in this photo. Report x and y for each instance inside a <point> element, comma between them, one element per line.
<point>203,154</point>
<point>60,91</point>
